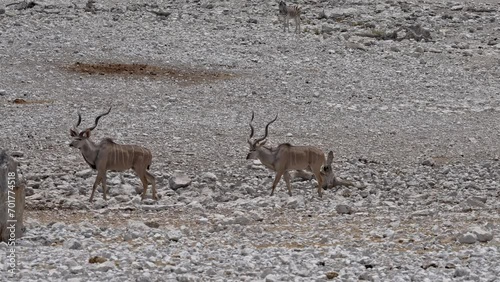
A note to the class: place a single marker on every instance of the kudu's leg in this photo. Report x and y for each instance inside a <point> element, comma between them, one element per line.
<point>319,178</point>
<point>151,179</point>
<point>98,180</point>
<point>286,176</point>
<point>144,181</point>
<point>276,180</point>
<point>285,20</point>
<point>104,188</point>
<point>142,174</point>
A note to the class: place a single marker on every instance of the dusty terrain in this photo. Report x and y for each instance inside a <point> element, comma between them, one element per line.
<point>413,119</point>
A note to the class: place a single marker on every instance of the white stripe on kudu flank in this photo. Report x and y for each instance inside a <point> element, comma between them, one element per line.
<point>113,151</point>
<point>124,160</point>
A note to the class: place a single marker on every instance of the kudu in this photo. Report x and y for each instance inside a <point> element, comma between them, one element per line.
<point>286,157</point>
<point>107,155</point>
<point>287,12</point>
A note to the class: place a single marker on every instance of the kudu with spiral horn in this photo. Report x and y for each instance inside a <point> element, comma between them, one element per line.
<point>107,155</point>
<point>285,157</point>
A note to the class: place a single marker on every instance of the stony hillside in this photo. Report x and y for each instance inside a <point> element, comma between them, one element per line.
<point>405,93</point>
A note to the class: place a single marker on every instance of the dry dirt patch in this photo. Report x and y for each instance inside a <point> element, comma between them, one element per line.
<point>178,74</point>
<point>20,101</point>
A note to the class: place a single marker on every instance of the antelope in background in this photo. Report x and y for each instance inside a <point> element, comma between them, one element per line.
<point>107,155</point>
<point>288,12</point>
<point>286,157</point>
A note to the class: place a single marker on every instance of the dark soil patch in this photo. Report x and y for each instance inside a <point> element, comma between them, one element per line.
<point>179,75</point>
<point>21,101</point>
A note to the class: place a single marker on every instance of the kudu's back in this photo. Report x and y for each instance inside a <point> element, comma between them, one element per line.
<point>122,157</point>
<point>300,157</point>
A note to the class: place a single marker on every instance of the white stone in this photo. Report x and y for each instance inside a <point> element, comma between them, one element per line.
<point>481,234</point>
<point>343,209</point>
<point>105,266</point>
<point>467,238</point>
<point>457,7</point>
<point>174,235</point>
<point>72,244</point>
<point>86,173</point>
<point>179,180</point>
<point>209,177</point>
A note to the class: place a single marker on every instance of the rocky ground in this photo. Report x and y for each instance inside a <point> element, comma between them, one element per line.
<point>404,92</point>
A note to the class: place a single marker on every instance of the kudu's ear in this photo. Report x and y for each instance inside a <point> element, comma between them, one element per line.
<point>73,133</point>
<point>329,160</point>
<point>261,143</point>
<point>85,134</point>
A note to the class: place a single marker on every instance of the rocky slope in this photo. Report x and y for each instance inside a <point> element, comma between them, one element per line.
<point>404,92</point>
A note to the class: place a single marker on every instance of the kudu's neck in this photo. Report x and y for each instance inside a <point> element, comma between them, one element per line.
<point>266,157</point>
<point>89,152</point>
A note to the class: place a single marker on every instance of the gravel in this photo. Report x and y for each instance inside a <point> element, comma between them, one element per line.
<point>404,93</point>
